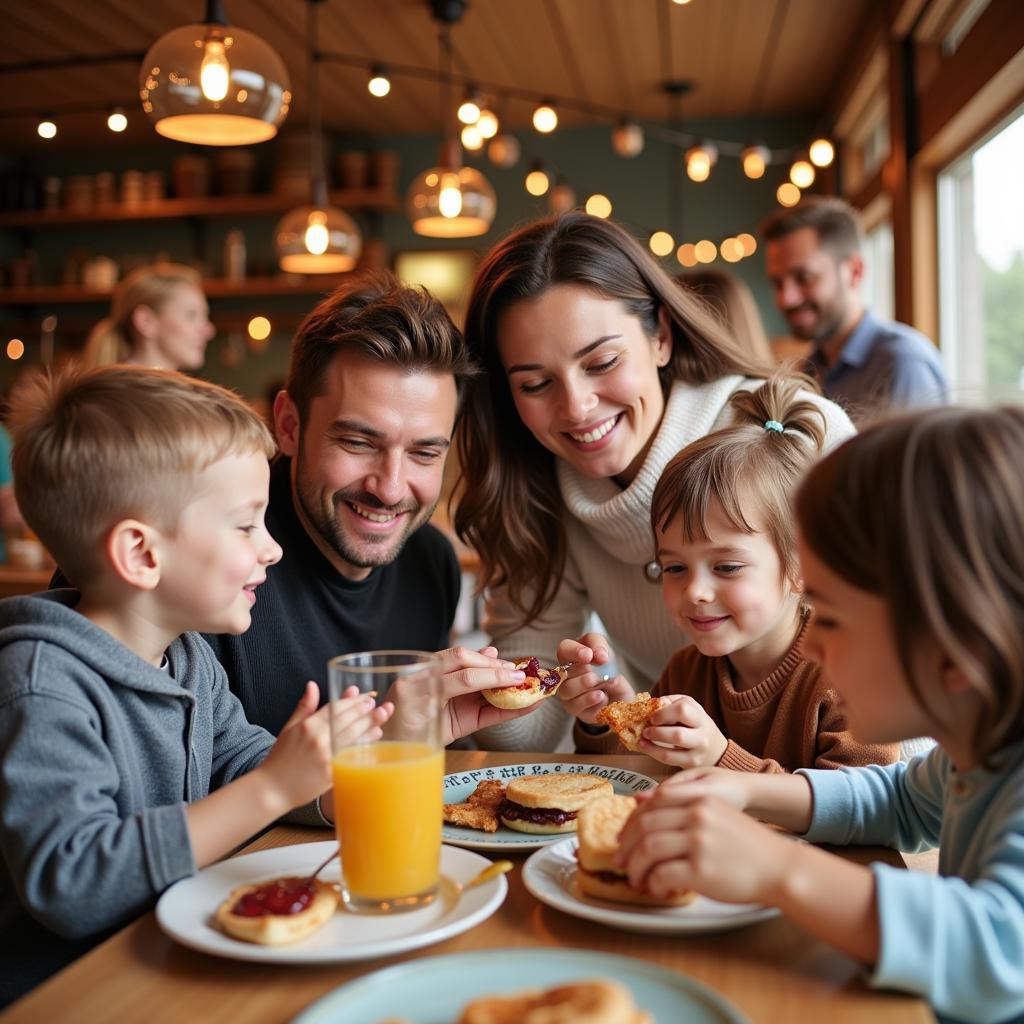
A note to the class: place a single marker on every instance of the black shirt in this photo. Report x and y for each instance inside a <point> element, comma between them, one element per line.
<point>306,612</point>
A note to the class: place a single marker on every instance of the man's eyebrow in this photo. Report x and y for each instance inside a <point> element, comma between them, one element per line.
<point>578,354</point>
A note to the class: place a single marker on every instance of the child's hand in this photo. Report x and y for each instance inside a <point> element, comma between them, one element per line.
<point>686,838</point>
<point>584,692</point>
<point>681,733</point>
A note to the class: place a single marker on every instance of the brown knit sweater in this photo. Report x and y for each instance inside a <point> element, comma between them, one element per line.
<point>792,719</point>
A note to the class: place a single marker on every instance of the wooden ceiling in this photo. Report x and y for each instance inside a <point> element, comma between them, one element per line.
<point>766,57</point>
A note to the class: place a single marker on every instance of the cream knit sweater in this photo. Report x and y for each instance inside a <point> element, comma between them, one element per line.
<point>609,542</point>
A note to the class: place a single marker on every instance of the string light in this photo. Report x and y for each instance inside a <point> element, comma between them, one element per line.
<point>699,161</point>
<point>628,139</point>
<point>545,118</point>
<point>787,194</point>
<point>469,109</point>
<point>503,151</point>
<point>661,243</point>
<point>46,128</point>
<point>801,174</point>
<point>822,152</point>
<point>379,84</point>
<point>731,250</point>
<point>755,159</point>
<point>562,198</point>
<point>537,181</point>
<point>116,120</point>
<point>259,328</point>
<point>705,251</point>
<point>749,243</point>
<point>599,205</point>
<point>487,124</point>
<point>15,348</point>
<point>687,254</point>
<point>471,137</point>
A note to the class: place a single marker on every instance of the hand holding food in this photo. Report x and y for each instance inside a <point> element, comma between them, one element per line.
<point>277,912</point>
<point>681,733</point>
<point>628,718</point>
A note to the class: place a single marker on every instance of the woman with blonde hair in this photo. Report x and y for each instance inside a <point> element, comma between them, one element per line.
<point>733,303</point>
<point>158,317</point>
<point>599,368</point>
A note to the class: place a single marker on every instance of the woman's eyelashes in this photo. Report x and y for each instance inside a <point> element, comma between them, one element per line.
<point>535,387</point>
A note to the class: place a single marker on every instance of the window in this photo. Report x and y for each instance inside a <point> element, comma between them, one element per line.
<point>878,270</point>
<point>981,268</point>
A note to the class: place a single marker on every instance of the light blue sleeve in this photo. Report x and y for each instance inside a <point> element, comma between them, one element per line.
<point>882,805</point>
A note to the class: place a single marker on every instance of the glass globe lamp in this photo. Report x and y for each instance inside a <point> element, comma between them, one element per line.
<point>317,239</point>
<point>450,201</point>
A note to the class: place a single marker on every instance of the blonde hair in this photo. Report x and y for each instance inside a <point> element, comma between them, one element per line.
<point>926,511</point>
<point>93,447</point>
<point>733,303</point>
<point>113,340</point>
<point>748,470</point>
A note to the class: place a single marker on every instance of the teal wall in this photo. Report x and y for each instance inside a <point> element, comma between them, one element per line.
<point>639,188</point>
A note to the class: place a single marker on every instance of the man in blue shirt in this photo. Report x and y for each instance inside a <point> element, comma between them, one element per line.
<point>866,364</point>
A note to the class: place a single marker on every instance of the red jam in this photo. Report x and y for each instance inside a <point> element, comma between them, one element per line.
<point>532,668</point>
<point>538,815</point>
<point>283,896</point>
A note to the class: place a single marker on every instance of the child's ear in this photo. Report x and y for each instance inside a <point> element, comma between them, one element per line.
<point>286,423</point>
<point>131,550</point>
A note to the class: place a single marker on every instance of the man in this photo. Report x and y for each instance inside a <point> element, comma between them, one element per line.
<point>364,425</point>
<point>865,364</point>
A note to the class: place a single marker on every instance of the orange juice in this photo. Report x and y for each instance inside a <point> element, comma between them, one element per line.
<point>387,809</point>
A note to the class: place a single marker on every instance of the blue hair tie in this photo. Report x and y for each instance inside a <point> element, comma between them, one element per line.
<point>773,425</point>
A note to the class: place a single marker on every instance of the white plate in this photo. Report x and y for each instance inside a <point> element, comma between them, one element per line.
<point>433,990</point>
<point>460,785</point>
<point>185,911</point>
<point>550,875</point>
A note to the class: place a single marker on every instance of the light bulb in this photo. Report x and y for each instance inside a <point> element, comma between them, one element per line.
<point>487,124</point>
<point>316,238</point>
<point>801,174</point>
<point>215,71</point>
<point>259,328</point>
<point>699,161</point>
<point>687,254</point>
<point>787,194</point>
<point>379,85</point>
<point>755,160</point>
<point>46,129</point>
<point>449,199</point>
<point>628,139</point>
<point>731,250</point>
<point>471,137</point>
<point>705,251</point>
<point>661,243</point>
<point>116,121</point>
<point>537,182</point>
<point>15,348</point>
<point>748,242</point>
<point>545,119</point>
<point>822,152</point>
<point>599,206</point>
<point>469,112</point>
<point>504,150</point>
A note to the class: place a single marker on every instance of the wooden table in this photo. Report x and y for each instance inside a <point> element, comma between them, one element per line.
<point>773,971</point>
<point>15,581</point>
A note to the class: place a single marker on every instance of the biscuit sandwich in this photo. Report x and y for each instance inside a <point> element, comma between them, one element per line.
<point>580,1002</point>
<point>628,718</point>
<point>539,683</point>
<point>599,825</point>
<point>277,912</point>
<point>548,804</point>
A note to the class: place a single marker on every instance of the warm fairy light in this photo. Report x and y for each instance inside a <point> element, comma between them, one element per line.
<point>661,243</point>
<point>503,151</point>
<point>116,121</point>
<point>545,119</point>
<point>755,160</point>
<point>46,129</point>
<point>599,206</point>
<point>801,174</point>
<point>731,250</point>
<point>822,152</point>
<point>259,328</point>
<point>15,348</point>
<point>787,194</point>
<point>380,84</point>
<point>469,112</point>
<point>537,182</point>
<point>705,251</point>
<point>748,242</point>
<point>487,124</point>
<point>628,139</point>
<point>699,161</point>
<point>687,254</point>
<point>471,137</point>
<point>449,199</point>
<point>317,237</point>
<point>215,72</point>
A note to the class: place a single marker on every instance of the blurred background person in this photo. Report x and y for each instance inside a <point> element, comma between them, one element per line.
<point>733,304</point>
<point>158,317</point>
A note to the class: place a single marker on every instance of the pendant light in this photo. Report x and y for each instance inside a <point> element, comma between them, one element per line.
<point>214,84</point>
<point>316,239</point>
<point>450,200</point>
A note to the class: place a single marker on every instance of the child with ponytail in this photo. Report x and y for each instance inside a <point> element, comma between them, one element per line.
<point>742,694</point>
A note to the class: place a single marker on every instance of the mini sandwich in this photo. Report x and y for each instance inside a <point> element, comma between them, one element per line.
<point>278,912</point>
<point>629,718</point>
<point>539,683</point>
<point>580,1002</point>
<point>548,804</point>
<point>600,823</point>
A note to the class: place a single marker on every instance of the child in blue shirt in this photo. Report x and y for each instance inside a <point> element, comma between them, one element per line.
<point>912,551</point>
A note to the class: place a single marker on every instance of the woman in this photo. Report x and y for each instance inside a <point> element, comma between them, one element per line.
<point>732,301</point>
<point>599,369</point>
<point>158,317</point>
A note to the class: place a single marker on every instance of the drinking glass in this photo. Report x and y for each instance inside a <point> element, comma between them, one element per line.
<point>388,793</point>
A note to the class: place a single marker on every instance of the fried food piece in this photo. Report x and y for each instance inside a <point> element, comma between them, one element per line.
<point>581,1002</point>
<point>480,809</point>
<point>629,718</point>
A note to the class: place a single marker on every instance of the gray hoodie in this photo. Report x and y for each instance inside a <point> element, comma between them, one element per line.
<point>99,754</point>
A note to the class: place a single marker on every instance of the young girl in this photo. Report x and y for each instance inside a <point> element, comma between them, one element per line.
<point>743,694</point>
<point>912,550</point>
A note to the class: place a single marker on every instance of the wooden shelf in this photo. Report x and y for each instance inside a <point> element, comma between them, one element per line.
<point>208,207</point>
<point>58,295</point>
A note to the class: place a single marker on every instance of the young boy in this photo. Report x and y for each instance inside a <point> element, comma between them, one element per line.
<point>125,761</point>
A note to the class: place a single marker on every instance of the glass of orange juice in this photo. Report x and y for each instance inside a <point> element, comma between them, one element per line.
<point>388,793</point>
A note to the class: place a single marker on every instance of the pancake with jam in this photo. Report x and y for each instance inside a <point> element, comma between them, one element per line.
<point>277,912</point>
<point>548,804</point>
<point>539,683</point>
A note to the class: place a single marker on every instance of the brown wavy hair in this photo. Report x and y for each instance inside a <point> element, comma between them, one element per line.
<point>733,302</point>
<point>745,469</point>
<point>926,511</point>
<point>508,504</point>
